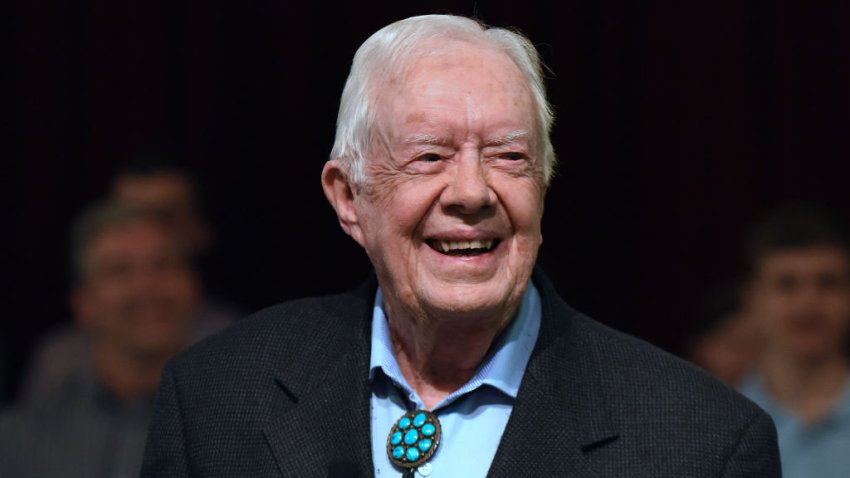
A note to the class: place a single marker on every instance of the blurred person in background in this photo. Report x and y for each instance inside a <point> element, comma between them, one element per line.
<point>162,187</point>
<point>134,297</point>
<point>799,294</point>
<point>160,184</point>
<point>726,341</point>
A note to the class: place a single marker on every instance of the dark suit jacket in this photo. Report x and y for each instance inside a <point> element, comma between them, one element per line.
<point>286,393</point>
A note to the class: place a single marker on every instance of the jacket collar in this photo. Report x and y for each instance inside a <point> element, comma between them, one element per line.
<point>561,400</point>
<point>325,411</point>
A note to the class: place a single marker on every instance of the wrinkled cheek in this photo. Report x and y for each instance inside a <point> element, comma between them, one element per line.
<point>525,255</point>
<point>538,237</point>
<point>534,239</point>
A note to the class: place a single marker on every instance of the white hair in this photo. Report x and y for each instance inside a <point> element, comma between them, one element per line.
<point>388,51</point>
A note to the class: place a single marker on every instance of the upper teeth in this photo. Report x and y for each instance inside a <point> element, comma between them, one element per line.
<point>446,246</point>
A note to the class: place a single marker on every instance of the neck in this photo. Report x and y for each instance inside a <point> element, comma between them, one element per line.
<point>810,387</point>
<point>126,375</point>
<point>438,355</point>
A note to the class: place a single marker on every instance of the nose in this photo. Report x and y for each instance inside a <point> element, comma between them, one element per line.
<point>468,191</point>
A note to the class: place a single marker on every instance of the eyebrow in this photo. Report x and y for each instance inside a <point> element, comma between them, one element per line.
<point>422,138</point>
<point>506,139</point>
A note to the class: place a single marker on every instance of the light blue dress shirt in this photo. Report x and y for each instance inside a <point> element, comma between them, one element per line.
<point>473,417</point>
<point>820,450</point>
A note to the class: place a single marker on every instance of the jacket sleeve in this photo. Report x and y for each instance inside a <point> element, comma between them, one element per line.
<point>757,453</point>
<point>165,451</point>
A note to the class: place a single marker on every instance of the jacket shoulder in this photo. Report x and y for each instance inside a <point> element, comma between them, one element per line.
<point>654,377</point>
<point>636,378</point>
<point>296,334</point>
<point>655,397</point>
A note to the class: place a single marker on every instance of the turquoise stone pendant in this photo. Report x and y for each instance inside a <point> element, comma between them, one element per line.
<point>413,439</point>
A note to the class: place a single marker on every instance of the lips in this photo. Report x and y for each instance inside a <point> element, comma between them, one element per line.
<point>463,247</point>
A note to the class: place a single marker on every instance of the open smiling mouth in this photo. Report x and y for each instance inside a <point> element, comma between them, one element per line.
<point>463,248</point>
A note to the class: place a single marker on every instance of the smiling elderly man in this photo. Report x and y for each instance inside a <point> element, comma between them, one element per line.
<point>459,359</point>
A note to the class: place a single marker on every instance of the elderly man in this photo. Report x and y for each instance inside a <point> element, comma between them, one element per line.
<point>458,359</point>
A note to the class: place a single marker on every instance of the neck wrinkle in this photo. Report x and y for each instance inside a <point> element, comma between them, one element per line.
<point>436,356</point>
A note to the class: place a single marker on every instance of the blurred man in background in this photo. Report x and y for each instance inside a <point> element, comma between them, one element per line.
<point>134,298</point>
<point>161,185</point>
<point>163,188</point>
<point>726,341</point>
<point>799,294</point>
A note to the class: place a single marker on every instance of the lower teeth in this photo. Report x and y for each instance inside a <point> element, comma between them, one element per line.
<point>466,252</point>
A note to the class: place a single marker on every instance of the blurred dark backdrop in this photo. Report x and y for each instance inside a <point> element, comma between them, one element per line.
<point>678,124</point>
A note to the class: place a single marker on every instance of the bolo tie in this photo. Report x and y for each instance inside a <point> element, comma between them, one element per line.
<point>413,440</point>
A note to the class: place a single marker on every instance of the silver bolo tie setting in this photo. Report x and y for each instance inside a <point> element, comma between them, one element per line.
<point>413,440</point>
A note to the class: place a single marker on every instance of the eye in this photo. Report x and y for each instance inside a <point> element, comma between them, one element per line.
<point>786,283</point>
<point>829,281</point>
<point>429,158</point>
<point>513,156</point>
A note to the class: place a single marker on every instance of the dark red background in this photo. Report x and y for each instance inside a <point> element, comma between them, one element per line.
<point>678,124</point>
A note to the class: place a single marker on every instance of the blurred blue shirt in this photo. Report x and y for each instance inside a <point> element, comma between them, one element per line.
<point>473,417</point>
<point>820,450</point>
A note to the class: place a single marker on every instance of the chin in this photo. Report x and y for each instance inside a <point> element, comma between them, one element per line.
<point>811,350</point>
<point>479,300</point>
<point>156,350</point>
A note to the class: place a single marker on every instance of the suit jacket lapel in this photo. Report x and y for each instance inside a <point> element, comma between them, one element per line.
<point>559,418</point>
<point>322,428</point>
<point>561,414</point>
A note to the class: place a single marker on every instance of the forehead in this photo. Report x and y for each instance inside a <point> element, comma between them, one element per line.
<point>457,80</point>
<point>806,260</point>
<point>116,240</point>
<point>152,188</point>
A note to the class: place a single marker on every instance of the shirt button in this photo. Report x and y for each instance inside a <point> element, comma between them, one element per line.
<point>424,470</point>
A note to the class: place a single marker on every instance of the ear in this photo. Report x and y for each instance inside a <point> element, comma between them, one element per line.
<point>341,194</point>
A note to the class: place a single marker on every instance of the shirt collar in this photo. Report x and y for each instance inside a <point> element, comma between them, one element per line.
<point>753,387</point>
<point>502,368</point>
